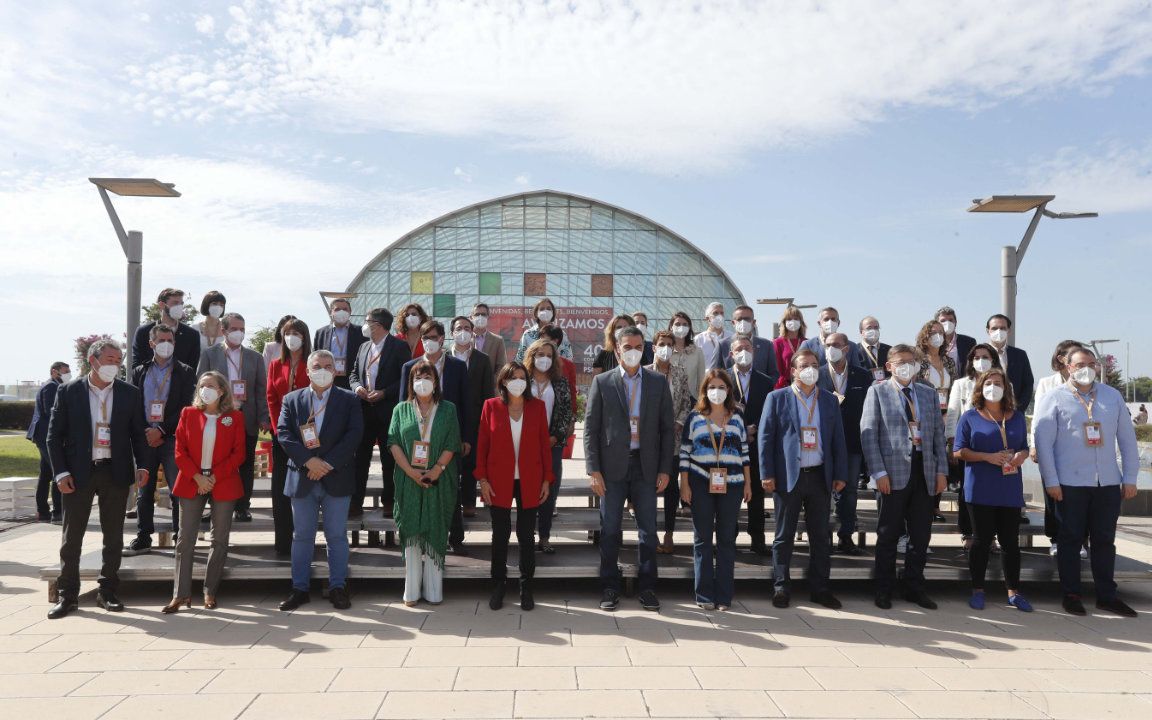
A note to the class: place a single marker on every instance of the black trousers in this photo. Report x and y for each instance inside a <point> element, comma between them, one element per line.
<point>911,508</point>
<point>247,473</point>
<point>467,466</point>
<point>755,523</point>
<point>989,521</point>
<point>812,496</point>
<point>281,503</point>
<point>112,496</point>
<point>46,486</point>
<point>525,537</point>
<point>956,477</point>
<point>375,436</point>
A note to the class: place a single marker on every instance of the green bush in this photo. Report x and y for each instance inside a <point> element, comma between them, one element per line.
<point>1144,433</point>
<point>16,415</point>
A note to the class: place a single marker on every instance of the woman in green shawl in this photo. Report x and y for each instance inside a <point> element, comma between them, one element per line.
<point>424,438</point>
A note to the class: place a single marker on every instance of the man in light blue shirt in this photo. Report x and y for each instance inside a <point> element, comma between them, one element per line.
<point>1078,428</point>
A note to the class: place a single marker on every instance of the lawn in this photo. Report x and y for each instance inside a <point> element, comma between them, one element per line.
<point>18,457</point>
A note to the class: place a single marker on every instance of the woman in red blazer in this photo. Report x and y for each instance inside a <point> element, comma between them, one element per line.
<point>513,461</point>
<point>286,373</point>
<point>209,452</point>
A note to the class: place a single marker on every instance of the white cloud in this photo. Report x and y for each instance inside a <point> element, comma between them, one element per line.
<point>206,25</point>
<point>462,175</point>
<point>522,179</point>
<point>1108,179</point>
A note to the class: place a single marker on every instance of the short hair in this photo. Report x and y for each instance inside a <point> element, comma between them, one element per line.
<point>865,319</point>
<point>610,330</point>
<point>829,309</point>
<point>319,355</point>
<point>98,347</point>
<point>741,339</point>
<point>945,310</point>
<point>900,348</point>
<point>802,352</point>
<point>211,298</point>
<point>702,403</point>
<point>301,327</point>
<point>1000,316</point>
<point>749,308</point>
<point>681,315</point>
<point>380,316</point>
<point>458,318</point>
<point>971,371</point>
<point>554,333</point>
<point>226,403</point>
<point>230,318</point>
<point>505,374</point>
<point>535,349</point>
<point>57,365</point>
<point>1077,350</point>
<point>1061,352</point>
<point>711,305</point>
<point>160,329</point>
<point>631,331</point>
<point>401,324</point>
<point>168,293</point>
<point>430,325</point>
<point>422,366</point>
<point>791,312</point>
<point>634,313</point>
<point>479,305</point>
<point>278,335</point>
<point>346,301</point>
<point>1007,403</point>
<point>540,305</point>
<point>663,335</point>
<point>926,332</point>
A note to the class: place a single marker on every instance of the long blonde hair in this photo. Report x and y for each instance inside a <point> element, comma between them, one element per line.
<point>225,404</point>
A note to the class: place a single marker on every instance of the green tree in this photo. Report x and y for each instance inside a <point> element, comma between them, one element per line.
<point>82,344</point>
<point>263,335</point>
<point>1140,389</point>
<point>1112,374</point>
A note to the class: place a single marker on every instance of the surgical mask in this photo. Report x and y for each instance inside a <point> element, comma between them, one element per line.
<point>65,377</point>
<point>982,364</point>
<point>209,395</point>
<point>216,310</point>
<point>936,340</point>
<point>431,347</point>
<point>998,335</point>
<point>480,321</point>
<point>871,336</point>
<point>516,387</point>
<point>422,387</point>
<point>949,326</point>
<point>544,316</point>
<point>680,331</point>
<point>320,377</point>
<point>717,396</point>
<point>412,321</point>
<point>1081,376</point>
<point>294,342</point>
<point>905,371</point>
<point>542,363</point>
<point>366,331</point>
<point>743,358</point>
<point>808,375</point>
<point>834,354</point>
<point>108,373</point>
<point>164,350</point>
<point>663,352</point>
<point>176,312</point>
<point>791,325</point>
<point>993,393</point>
<point>340,317</point>
<point>744,327</point>
<point>716,321</point>
<point>631,358</point>
<point>830,326</point>
<point>462,337</point>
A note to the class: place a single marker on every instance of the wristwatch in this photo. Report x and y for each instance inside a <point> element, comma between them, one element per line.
<point>442,466</point>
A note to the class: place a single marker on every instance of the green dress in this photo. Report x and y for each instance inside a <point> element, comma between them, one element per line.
<point>424,515</point>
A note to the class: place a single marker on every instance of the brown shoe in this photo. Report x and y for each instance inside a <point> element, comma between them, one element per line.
<point>174,607</point>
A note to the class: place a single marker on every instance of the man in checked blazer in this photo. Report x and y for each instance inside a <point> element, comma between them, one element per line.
<point>902,436</point>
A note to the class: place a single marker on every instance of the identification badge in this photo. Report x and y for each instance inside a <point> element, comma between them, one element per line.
<point>878,375</point>
<point>1092,434</point>
<point>942,393</point>
<point>634,428</point>
<point>914,431</point>
<point>103,435</point>
<point>718,481</point>
<point>240,390</point>
<point>420,452</point>
<point>808,438</point>
<point>310,436</point>
<point>340,367</point>
<point>156,412</point>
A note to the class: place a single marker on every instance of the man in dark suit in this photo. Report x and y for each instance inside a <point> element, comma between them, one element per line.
<point>480,387</point>
<point>96,442</point>
<point>167,386</point>
<point>829,322</point>
<point>752,388</point>
<point>958,345</point>
<point>640,320</point>
<point>803,460</point>
<point>1012,359</point>
<point>340,339</point>
<point>38,433</point>
<point>319,429</point>
<point>629,438</point>
<point>375,379</point>
<point>170,304</point>
<point>871,354</point>
<point>763,356</point>
<point>849,385</point>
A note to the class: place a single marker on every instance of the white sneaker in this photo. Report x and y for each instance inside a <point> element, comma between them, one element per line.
<point>902,545</point>
<point>1052,551</point>
<point>1084,553</point>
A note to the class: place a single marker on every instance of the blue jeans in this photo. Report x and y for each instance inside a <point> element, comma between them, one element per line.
<point>1092,512</point>
<point>642,492</point>
<point>154,458</point>
<point>845,500</point>
<point>305,518</point>
<point>544,514</point>
<point>715,579</point>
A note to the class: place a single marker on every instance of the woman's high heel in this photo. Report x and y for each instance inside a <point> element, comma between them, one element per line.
<point>174,606</point>
<point>209,602</point>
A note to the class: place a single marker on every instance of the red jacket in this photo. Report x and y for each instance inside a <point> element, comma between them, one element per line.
<point>227,453</point>
<point>569,370</point>
<point>278,385</point>
<point>417,351</point>
<point>496,458</point>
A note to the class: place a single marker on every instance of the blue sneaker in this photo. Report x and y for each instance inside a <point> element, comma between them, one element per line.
<point>976,602</point>
<point>1020,603</point>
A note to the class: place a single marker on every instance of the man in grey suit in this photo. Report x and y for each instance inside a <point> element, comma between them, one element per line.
<point>248,378</point>
<point>629,441</point>
<point>487,342</point>
<point>902,436</point>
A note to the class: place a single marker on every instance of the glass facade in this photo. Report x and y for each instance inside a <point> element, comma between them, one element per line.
<point>591,259</point>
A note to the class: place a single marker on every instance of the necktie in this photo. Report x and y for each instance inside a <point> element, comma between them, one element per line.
<point>908,405</point>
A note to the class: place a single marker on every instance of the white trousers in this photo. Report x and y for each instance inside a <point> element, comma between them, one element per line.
<point>422,577</point>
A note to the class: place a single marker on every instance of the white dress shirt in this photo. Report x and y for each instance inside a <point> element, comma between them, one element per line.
<point>374,361</point>
<point>100,407</point>
<point>546,393</point>
<point>517,431</point>
<point>234,358</point>
<point>208,441</point>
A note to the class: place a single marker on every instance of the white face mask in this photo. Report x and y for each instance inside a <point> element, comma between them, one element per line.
<point>949,326</point>
<point>544,316</point>
<point>642,327</point>
<point>834,354</point>
<point>680,331</point>
<point>998,335</point>
<point>791,325</point>
<point>216,310</point>
<point>462,337</point>
<point>366,331</point>
<point>341,317</point>
<point>663,352</point>
<point>176,312</point>
<point>716,322</point>
<point>744,327</point>
<point>717,396</point>
<point>431,347</point>
<point>236,337</point>
<point>65,377</point>
<point>830,326</point>
<point>982,364</point>
<point>871,336</point>
<point>164,350</point>
<point>808,375</point>
<point>631,358</point>
<point>1084,375</point>
<point>905,371</point>
<point>542,363</point>
<point>993,393</point>
<point>422,387</point>
<point>516,387</point>
<point>320,377</point>
<point>412,321</point>
<point>108,373</point>
<point>936,340</point>
<point>743,358</point>
<point>480,321</point>
<point>294,342</point>
<point>209,395</point>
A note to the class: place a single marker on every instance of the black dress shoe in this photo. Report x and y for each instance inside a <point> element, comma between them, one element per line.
<point>339,598</point>
<point>458,549</point>
<point>1024,519</point>
<point>609,600</point>
<point>884,600</point>
<point>108,600</point>
<point>243,516</point>
<point>649,601</point>
<point>496,599</point>
<point>827,599</point>
<point>527,601</point>
<point>1073,605</point>
<point>781,599</point>
<point>1116,605</point>
<point>138,546</point>
<point>847,547</point>
<point>57,517</point>
<point>761,549</point>
<point>295,600</point>
<point>919,597</point>
<point>938,518</point>
<point>546,548</point>
<point>62,608</point>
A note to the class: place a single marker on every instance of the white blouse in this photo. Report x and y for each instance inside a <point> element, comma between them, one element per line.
<point>517,430</point>
<point>208,442</point>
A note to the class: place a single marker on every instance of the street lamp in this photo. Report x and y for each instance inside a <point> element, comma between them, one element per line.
<point>132,241</point>
<point>1098,346</point>
<point>1011,257</point>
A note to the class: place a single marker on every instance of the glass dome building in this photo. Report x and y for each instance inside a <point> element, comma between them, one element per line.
<point>591,259</point>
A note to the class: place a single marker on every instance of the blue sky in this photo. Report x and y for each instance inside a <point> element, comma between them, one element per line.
<point>822,151</point>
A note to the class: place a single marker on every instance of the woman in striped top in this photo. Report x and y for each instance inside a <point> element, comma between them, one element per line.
<point>714,479</point>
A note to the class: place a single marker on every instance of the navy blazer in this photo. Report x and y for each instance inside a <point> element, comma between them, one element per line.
<point>779,433</point>
<point>322,340</point>
<point>1020,375</point>
<point>454,389</point>
<point>759,385</point>
<point>852,408</point>
<point>964,345</point>
<point>763,357</point>
<point>70,432</point>
<point>339,437</point>
<point>181,388</point>
<point>42,413</point>
<point>863,361</point>
<point>816,345</point>
<point>187,344</point>
<point>392,358</point>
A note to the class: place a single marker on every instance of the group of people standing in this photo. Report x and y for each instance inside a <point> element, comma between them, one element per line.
<point>711,420</point>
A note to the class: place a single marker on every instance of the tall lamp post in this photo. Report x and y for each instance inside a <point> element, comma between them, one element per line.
<point>132,241</point>
<point>1011,257</point>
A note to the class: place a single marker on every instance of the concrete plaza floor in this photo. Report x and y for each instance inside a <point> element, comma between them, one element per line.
<point>564,659</point>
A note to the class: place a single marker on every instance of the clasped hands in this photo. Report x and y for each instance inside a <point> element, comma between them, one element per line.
<point>317,468</point>
<point>204,483</point>
<point>596,481</point>
<point>424,478</point>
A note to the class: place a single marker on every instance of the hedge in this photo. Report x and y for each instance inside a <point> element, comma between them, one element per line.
<point>1144,433</point>
<point>16,415</point>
